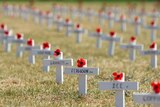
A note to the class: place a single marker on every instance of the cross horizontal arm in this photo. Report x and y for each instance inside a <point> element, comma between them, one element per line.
<point>42,52</point>
<point>66,62</point>
<point>86,70</point>
<point>118,85</point>
<point>146,98</point>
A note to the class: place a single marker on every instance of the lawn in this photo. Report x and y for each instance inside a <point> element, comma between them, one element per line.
<point>26,85</point>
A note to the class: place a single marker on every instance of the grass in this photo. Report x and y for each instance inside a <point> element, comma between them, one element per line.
<point>26,85</point>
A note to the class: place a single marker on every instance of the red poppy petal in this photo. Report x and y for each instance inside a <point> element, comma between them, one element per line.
<point>114,74</point>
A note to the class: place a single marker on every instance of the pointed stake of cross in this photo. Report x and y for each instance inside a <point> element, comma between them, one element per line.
<point>119,85</point>
<point>59,62</point>
<point>148,98</point>
<point>82,71</point>
<point>132,46</point>
<point>112,38</point>
<point>154,53</point>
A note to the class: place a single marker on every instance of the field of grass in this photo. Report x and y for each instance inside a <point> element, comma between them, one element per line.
<point>26,85</point>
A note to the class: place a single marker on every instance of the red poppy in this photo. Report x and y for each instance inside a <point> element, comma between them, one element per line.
<point>118,76</point>
<point>78,26</point>
<point>30,42</point>
<point>19,36</point>
<point>57,52</point>
<point>112,33</point>
<point>98,30</point>
<point>152,23</point>
<point>152,45</point>
<point>136,18</point>
<point>132,39</point>
<point>81,62</point>
<point>6,32</point>
<point>156,87</point>
<point>67,20</point>
<point>2,26</point>
<point>45,45</point>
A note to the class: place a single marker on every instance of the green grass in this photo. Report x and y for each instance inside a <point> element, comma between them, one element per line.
<point>23,84</point>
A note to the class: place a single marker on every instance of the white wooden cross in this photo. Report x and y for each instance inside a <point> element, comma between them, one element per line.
<point>45,51</point>
<point>98,35</point>
<point>137,24</point>
<point>154,53</point>
<point>119,85</point>
<point>110,17</point>
<point>101,16</point>
<point>8,34</point>
<point>49,18</point>
<point>79,31</point>
<point>42,15</point>
<point>59,62</point>
<point>3,28</point>
<point>90,14</point>
<point>82,70</point>
<point>36,15</point>
<point>19,40</point>
<point>123,22</point>
<point>132,46</point>
<point>68,24</point>
<point>112,38</point>
<point>30,44</point>
<point>59,23</point>
<point>153,27</point>
<point>149,98</point>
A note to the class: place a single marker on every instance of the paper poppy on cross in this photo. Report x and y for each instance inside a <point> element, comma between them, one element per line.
<point>30,42</point>
<point>133,39</point>
<point>19,36</point>
<point>6,32</point>
<point>81,62</point>
<point>2,26</point>
<point>152,23</point>
<point>118,76</point>
<point>156,87</point>
<point>67,20</point>
<point>57,52</point>
<point>45,45</point>
<point>112,33</point>
<point>153,45</point>
<point>136,18</point>
<point>78,26</point>
<point>98,30</point>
